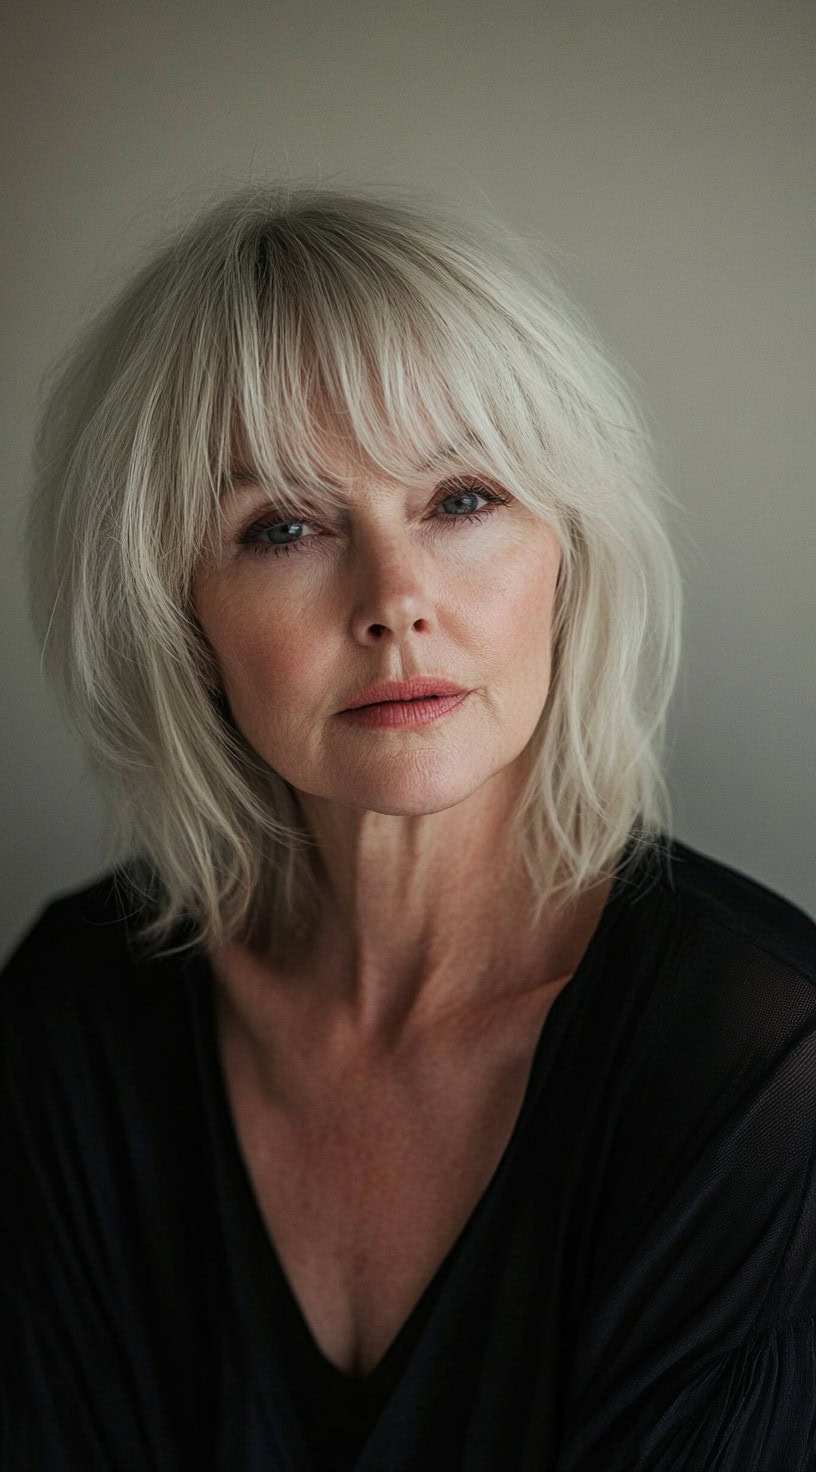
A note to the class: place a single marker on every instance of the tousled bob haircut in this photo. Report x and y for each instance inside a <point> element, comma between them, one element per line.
<point>418,327</point>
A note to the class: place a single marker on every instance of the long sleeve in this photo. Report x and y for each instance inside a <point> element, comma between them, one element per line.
<point>45,1424</point>
<point>97,1311</point>
<point>634,1292</point>
<point>752,1409</point>
<point>66,1377</point>
<point>698,1350</point>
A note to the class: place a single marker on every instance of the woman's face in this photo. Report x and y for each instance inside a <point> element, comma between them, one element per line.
<point>432,580</point>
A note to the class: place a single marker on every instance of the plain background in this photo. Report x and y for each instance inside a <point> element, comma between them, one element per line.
<point>664,152</point>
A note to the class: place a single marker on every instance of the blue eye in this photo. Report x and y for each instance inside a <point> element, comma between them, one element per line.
<point>255,535</point>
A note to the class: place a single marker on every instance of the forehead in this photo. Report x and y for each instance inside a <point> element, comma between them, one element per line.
<point>340,465</point>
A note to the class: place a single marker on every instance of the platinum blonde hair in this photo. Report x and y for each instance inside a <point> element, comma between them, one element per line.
<point>418,327</point>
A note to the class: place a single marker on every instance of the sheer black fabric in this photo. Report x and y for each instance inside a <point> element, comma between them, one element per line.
<point>635,1291</point>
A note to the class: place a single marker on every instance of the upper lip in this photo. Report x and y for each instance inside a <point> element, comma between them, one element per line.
<point>405,690</point>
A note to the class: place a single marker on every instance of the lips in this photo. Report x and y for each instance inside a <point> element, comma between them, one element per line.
<point>404,714</point>
<point>420,687</point>
<point>411,701</point>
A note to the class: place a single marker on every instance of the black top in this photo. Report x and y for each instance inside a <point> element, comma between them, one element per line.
<point>634,1291</point>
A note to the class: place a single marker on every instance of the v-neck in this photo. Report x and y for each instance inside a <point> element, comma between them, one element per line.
<point>264,1254</point>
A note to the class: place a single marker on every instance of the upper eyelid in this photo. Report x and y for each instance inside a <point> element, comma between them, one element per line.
<point>462,480</point>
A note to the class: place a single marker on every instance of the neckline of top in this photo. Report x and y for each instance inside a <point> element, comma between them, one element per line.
<point>203,998</point>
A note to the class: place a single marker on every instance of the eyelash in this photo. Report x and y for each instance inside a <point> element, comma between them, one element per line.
<point>252,536</point>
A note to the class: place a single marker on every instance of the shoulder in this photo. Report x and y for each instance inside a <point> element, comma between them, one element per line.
<point>710,944</point>
<point>709,965</point>
<point>74,925</point>
<point>744,916</point>
<point>726,983</point>
<point>98,1062</point>
<point>85,931</point>
<point>105,1150</point>
<point>709,1124</point>
<point>715,1056</point>
<point>77,937</point>
<point>81,974</point>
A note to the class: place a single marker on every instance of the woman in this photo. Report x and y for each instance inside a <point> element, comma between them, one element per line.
<point>408,1098</point>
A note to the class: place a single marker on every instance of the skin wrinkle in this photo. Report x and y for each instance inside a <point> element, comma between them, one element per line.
<point>375,1077</point>
<point>424,904</point>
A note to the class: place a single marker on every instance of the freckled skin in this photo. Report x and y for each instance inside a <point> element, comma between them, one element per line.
<point>375,1080</point>
<point>411,821</point>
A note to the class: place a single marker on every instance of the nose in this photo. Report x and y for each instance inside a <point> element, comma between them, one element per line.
<point>393,592</point>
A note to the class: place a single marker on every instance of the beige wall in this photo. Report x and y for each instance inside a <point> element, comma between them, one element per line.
<point>664,150</point>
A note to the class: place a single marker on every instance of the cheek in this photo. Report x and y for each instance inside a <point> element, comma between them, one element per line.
<point>521,601</point>
<point>516,616</point>
<point>266,675</point>
<point>262,659</point>
<point>257,649</point>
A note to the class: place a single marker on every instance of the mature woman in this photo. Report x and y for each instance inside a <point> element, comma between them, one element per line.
<point>407,1099</point>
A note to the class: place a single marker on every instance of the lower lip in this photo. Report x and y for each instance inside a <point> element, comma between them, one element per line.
<point>404,712</point>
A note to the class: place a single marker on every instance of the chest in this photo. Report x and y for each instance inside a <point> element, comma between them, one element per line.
<point>366,1185</point>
